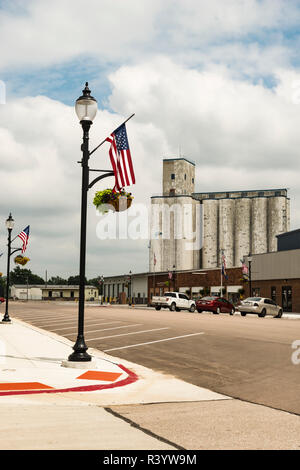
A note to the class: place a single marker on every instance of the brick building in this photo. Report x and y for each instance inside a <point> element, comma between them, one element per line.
<point>197,282</point>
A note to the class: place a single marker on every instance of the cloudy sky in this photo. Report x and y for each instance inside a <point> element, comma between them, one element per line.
<point>218,81</point>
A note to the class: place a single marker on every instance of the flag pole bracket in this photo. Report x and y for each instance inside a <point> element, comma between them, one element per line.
<point>101,177</point>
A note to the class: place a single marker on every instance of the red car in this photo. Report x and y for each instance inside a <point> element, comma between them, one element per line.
<point>2,299</point>
<point>214,304</point>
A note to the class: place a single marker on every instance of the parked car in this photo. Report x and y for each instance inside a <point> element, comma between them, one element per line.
<point>261,306</point>
<point>174,301</point>
<point>215,304</point>
<point>2,299</point>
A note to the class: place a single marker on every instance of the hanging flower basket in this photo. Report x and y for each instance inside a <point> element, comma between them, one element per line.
<point>108,200</point>
<point>21,260</point>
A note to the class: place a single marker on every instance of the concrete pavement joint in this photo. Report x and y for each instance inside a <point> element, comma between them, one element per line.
<point>144,430</point>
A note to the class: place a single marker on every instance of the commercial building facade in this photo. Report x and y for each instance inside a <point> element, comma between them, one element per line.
<point>126,288</point>
<point>277,276</point>
<point>69,293</point>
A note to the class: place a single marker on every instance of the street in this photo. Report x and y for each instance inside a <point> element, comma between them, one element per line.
<point>248,358</point>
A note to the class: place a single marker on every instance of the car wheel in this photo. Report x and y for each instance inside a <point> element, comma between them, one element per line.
<point>158,307</point>
<point>177,309</point>
<point>173,307</point>
<point>279,314</point>
<point>262,313</point>
<point>218,311</point>
<point>199,311</point>
<point>243,314</point>
<point>232,311</point>
<point>192,308</point>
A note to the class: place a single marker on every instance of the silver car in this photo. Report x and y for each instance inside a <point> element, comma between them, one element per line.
<point>261,306</point>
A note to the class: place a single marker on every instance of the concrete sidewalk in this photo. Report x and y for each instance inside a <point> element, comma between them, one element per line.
<point>44,405</point>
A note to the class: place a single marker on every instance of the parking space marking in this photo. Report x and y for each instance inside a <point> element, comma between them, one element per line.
<point>152,342</point>
<point>75,327</point>
<point>115,328</point>
<point>66,321</point>
<point>126,334</point>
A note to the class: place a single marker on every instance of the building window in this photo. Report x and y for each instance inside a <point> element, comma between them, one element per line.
<point>72,294</point>
<point>255,292</point>
<point>185,176</point>
<point>50,293</point>
<point>193,180</point>
<point>273,293</point>
<point>61,294</point>
<point>286,298</point>
<point>172,176</point>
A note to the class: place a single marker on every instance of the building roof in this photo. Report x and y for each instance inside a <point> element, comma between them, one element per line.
<point>179,158</point>
<point>51,287</point>
<point>286,234</point>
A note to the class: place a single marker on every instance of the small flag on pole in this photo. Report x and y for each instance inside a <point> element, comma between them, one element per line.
<point>24,235</point>
<point>120,158</point>
<point>224,266</point>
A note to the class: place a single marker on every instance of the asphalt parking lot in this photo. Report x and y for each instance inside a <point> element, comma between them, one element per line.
<point>244,357</point>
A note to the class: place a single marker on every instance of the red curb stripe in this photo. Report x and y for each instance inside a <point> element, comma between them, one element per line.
<point>132,377</point>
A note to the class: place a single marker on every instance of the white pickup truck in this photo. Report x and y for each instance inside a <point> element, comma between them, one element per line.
<point>175,301</point>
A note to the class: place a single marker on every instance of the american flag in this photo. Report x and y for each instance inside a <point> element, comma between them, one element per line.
<point>120,158</point>
<point>24,235</point>
<point>224,266</point>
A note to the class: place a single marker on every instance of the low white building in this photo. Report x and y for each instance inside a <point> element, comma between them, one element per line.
<point>26,292</point>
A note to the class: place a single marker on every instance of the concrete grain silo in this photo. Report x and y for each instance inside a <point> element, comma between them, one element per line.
<point>226,230</point>
<point>242,228</point>
<point>259,223</point>
<point>240,222</point>
<point>277,214</point>
<point>210,233</point>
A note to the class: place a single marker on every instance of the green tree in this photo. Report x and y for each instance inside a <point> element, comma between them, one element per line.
<point>74,280</point>
<point>20,276</point>
<point>57,281</point>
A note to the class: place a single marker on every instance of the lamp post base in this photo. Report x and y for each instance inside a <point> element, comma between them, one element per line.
<point>6,320</point>
<point>79,365</point>
<point>80,354</point>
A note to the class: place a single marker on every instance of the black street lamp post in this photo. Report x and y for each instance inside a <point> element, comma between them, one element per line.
<point>9,225</point>
<point>249,259</point>
<point>130,290</point>
<point>86,109</point>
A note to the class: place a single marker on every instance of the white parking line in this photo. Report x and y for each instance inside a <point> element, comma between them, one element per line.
<point>126,334</point>
<point>75,327</point>
<point>66,321</point>
<point>151,342</point>
<point>115,328</point>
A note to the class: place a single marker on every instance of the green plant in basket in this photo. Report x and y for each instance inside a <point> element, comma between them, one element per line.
<point>120,200</point>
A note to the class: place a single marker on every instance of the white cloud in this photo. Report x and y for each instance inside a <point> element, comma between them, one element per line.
<point>240,135</point>
<point>43,33</point>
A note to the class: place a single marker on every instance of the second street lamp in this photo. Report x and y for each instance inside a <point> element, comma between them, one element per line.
<point>10,223</point>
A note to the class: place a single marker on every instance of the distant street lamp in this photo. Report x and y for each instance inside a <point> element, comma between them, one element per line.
<point>130,290</point>
<point>9,225</point>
